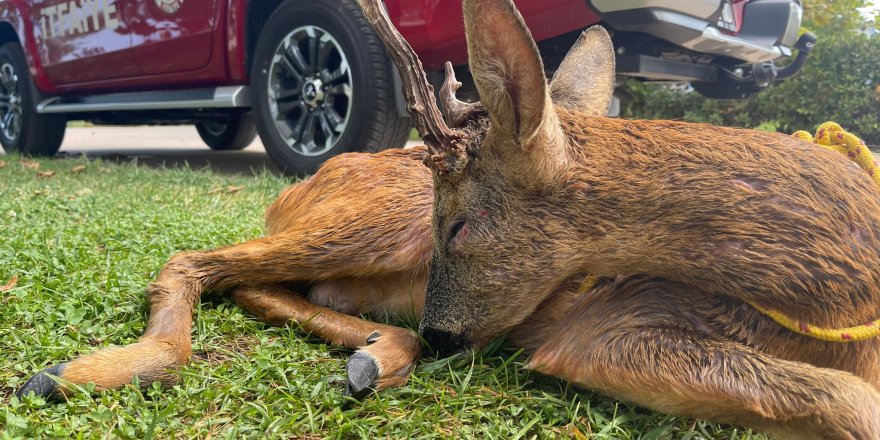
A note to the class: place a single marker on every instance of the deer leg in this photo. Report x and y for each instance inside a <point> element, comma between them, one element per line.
<point>640,340</point>
<point>309,251</point>
<point>164,346</point>
<point>385,354</point>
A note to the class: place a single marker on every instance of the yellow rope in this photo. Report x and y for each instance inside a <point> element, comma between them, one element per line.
<point>849,334</point>
<point>832,137</point>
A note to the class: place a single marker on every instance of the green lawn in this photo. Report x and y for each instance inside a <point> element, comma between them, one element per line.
<point>84,243</point>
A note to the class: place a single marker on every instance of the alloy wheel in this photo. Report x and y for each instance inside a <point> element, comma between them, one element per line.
<point>310,90</point>
<point>10,102</point>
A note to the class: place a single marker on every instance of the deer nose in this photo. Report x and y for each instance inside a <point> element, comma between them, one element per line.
<point>443,343</point>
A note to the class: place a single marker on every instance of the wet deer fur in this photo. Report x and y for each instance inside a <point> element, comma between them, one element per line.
<point>684,223</point>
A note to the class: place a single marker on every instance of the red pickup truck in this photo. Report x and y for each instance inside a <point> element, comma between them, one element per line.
<point>312,78</point>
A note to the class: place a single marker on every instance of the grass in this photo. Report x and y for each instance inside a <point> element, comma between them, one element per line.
<point>86,240</point>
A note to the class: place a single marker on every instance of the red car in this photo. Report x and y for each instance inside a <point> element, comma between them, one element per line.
<point>310,75</point>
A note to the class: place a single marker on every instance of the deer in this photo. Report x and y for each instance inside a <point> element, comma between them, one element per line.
<point>691,231</point>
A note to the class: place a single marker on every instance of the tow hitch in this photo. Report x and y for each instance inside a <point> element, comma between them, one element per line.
<point>746,80</point>
<point>765,73</point>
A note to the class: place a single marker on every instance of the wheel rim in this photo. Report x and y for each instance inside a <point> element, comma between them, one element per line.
<point>10,102</point>
<point>310,91</point>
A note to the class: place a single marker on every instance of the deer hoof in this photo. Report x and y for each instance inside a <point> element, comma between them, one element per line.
<point>42,384</point>
<point>362,372</point>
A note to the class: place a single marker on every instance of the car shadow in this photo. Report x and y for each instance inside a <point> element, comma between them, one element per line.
<point>221,162</point>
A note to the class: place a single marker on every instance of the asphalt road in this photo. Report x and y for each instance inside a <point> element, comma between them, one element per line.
<point>170,146</point>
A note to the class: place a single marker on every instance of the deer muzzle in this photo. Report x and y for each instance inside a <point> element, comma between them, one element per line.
<point>443,343</point>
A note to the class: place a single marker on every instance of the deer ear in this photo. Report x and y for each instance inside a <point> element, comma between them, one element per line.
<point>506,67</point>
<point>585,80</point>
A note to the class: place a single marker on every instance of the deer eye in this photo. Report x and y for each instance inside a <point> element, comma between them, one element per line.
<point>455,229</point>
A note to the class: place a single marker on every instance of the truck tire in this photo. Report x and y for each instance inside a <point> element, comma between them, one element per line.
<point>322,84</point>
<point>22,129</point>
<point>231,134</point>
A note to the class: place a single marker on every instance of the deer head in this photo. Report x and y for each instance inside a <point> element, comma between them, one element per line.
<point>500,246</point>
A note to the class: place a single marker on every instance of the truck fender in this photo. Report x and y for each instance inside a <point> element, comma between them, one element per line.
<point>14,14</point>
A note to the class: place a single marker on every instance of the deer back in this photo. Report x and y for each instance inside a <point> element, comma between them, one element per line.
<point>758,216</point>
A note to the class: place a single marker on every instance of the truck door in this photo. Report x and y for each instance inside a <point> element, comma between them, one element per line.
<point>173,35</point>
<point>83,40</point>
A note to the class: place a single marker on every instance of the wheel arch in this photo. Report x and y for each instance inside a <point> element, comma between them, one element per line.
<point>8,34</point>
<point>15,27</point>
<point>258,13</point>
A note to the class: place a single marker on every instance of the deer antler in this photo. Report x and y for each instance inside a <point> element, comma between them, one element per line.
<point>446,146</point>
<point>457,112</point>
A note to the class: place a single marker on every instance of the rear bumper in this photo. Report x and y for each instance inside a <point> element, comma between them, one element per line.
<point>714,42</point>
<point>766,32</point>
